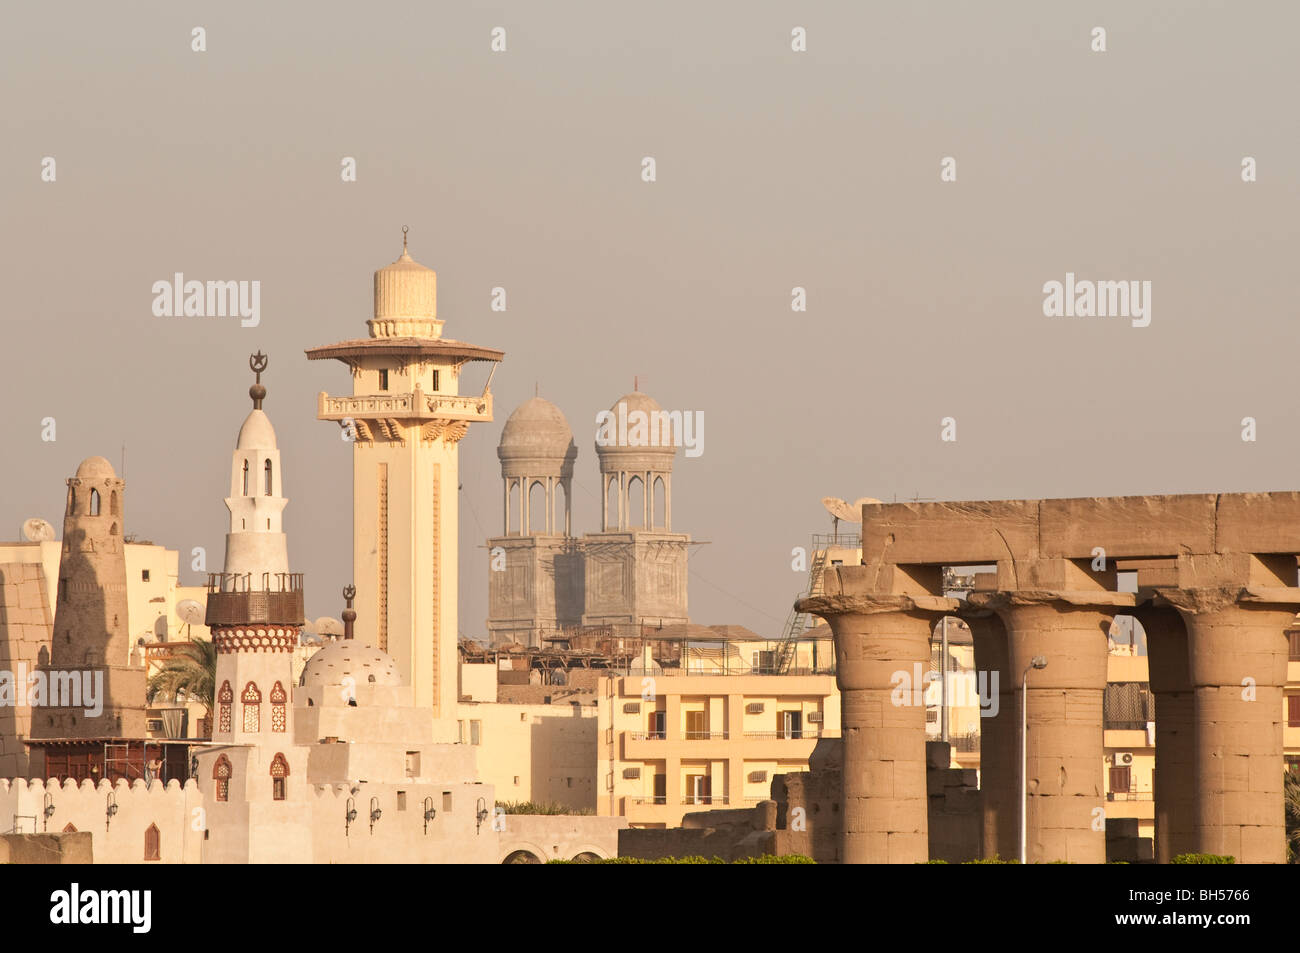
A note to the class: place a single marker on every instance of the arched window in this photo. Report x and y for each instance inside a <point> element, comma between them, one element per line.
<point>636,503</point>
<point>244,491</point>
<point>252,700</point>
<point>611,503</point>
<point>279,776</point>
<point>536,507</point>
<point>221,772</point>
<point>660,503</point>
<point>94,502</point>
<point>266,470</point>
<point>225,698</point>
<point>153,843</point>
<point>279,698</point>
<point>113,504</point>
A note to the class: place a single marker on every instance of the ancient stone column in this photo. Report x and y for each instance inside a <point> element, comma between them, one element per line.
<point>999,739</point>
<point>1174,780</point>
<point>1237,661</point>
<point>1065,751</point>
<point>882,650</point>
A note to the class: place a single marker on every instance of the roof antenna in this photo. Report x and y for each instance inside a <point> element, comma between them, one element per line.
<point>405,229</point>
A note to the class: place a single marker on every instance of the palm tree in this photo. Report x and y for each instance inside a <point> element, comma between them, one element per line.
<point>191,672</point>
<point>1291,791</point>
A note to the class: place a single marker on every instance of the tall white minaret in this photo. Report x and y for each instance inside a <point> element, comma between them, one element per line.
<point>255,607</point>
<point>405,418</point>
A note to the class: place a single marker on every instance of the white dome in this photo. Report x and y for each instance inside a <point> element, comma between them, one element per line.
<point>343,657</point>
<point>256,433</point>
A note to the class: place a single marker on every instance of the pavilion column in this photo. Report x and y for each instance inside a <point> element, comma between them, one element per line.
<point>1237,663</point>
<point>882,649</point>
<point>1174,778</point>
<point>1065,750</point>
<point>999,739</point>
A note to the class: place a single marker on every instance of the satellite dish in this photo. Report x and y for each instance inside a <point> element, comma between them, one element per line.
<point>327,625</point>
<point>849,512</point>
<point>190,611</point>
<point>37,530</point>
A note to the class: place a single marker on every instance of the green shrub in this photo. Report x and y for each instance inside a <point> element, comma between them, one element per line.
<point>764,859</point>
<point>541,807</point>
<point>1204,859</point>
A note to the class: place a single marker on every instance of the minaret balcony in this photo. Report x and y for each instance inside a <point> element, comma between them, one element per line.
<point>410,406</point>
<point>233,600</point>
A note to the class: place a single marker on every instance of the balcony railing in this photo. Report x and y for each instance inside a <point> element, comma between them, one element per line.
<point>802,734</point>
<point>412,405</point>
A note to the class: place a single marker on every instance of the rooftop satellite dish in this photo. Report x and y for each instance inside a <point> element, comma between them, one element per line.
<point>841,510</point>
<point>327,625</point>
<point>37,530</point>
<point>190,612</point>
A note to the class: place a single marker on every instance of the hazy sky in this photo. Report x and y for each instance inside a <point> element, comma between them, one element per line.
<point>775,169</point>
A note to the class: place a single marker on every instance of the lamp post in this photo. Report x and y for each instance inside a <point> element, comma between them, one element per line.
<point>1038,661</point>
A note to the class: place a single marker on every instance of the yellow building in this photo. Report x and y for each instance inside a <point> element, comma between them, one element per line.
<point>670,744</point>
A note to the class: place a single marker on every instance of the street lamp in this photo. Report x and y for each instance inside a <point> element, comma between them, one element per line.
<point>1038,661</point>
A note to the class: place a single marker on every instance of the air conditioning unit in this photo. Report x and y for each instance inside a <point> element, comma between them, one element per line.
<point>631,708</point>
<point>754,708</point>
<point>631,772</point>
<point>153,724</point>
<point>1123,758</point>
<point>758,776</point>
<point>814,718</point>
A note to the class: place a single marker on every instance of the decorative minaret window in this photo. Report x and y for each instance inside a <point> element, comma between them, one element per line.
<point>252,700</point>
<point>278,700</point>
<point>153,843</point>
<point>266,490</point>
<point>279,776</point>
<point>94,502</point>
<point>245,490</point>
<point>225,699</point>
<point>221,772</point>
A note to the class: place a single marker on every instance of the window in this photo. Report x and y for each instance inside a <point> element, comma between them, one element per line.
<point>1293,711</point>
<point>144,575</point>
<point>153,843</point>
<point>661,789</point>
<point>266,478</point>
<point>658,723</point>
<point>697,789</point>
<point>1121,779</point>
<point>789,724</point>
<point>225,698</point>
<point>1294,654</point>
<point>383,379</point>
<point>412,764</point>
<point>279,712</point>
<point>279,776</point>
<point>252,700</point>
<point>244,491</point>
<point>446,801</point>
<point>1293,766</point>
<point>435,380</point>
<point>697,724</point>
<point>401,800</point>
<point>221,772</point>
<point>94,502</point>
<point>475,732</point>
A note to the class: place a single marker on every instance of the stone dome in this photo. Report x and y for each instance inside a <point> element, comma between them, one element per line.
<point>658,450</point>
<point>406,300</point>
<point>95,468</point>
<point>343,657</point>
<point>536,441</point>
<point>256,433</point>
